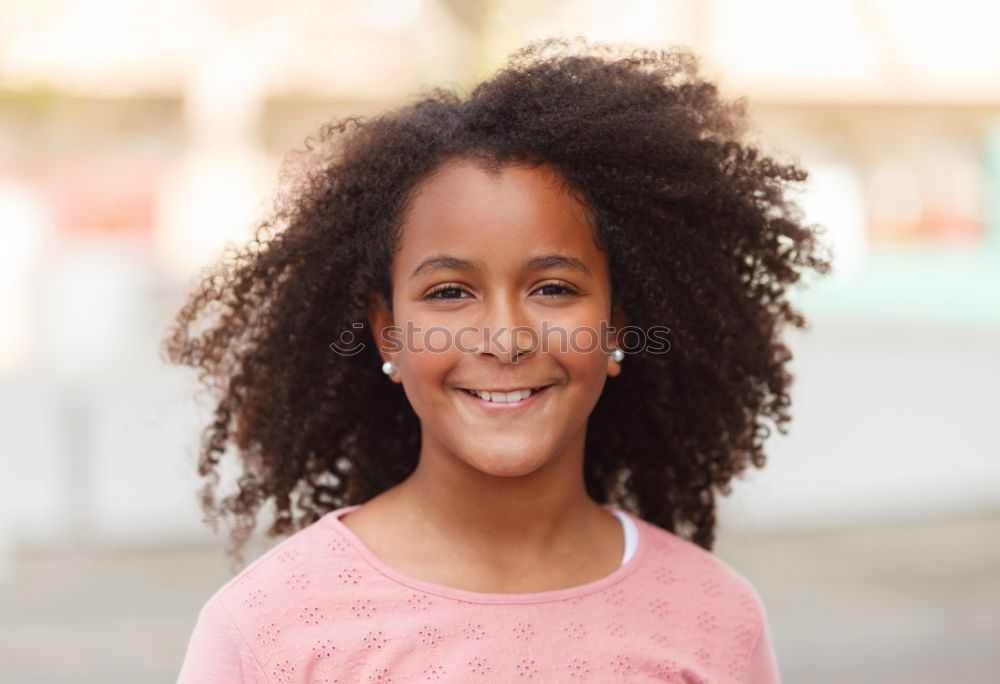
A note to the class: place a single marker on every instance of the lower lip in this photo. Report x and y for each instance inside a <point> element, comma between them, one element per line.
<point>503,405</point>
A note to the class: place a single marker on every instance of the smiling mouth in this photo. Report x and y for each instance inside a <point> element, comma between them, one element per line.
<point>508,398</point>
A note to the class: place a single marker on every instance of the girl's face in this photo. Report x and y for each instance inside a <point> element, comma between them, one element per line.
<point>487,266</point>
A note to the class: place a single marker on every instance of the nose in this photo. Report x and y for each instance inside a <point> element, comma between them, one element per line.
<point>508,333</point>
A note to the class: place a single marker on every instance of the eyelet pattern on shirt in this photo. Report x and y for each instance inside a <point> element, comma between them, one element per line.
<point>312,610</point>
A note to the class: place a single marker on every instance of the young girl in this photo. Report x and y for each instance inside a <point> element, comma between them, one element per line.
<point>502,354</point>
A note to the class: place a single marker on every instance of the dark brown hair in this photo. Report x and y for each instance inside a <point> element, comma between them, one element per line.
<point>699,235</point>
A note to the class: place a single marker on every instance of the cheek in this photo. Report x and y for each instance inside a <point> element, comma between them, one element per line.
<point>580,336</point>
<point>422,386</point>
<point>587,367</point>
<point>429,355</point>
<point>581,359</point>
<point>582,350</point>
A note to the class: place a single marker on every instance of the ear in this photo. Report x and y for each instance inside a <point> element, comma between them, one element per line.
<point>379,318</point>
<point>618,321</point>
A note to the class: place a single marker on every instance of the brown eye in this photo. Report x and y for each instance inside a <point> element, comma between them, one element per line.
<point>444,292</point>
<point>563,290</point>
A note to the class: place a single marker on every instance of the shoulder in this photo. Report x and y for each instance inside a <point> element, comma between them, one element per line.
<point>709,582</point>
<point>258,611</point>
<point>290,566</point>
<point>715,609</point>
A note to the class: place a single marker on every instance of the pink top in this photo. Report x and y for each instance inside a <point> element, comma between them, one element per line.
<point>319,607</point>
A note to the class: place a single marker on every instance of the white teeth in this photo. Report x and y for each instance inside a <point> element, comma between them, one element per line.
<point>503,397</point>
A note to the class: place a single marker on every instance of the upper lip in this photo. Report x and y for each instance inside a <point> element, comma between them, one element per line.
<point>512,389</point>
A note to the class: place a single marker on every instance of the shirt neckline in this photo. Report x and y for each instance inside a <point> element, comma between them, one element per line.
<point>332,519</point>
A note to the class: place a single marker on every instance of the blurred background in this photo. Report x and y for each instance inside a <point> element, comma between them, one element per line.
<point>138,138</point>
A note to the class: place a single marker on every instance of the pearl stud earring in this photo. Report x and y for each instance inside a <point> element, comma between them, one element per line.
<point>388,368</point>
<point>618,355</point>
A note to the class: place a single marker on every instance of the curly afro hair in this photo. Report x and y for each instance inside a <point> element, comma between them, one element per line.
<point>699,236</point>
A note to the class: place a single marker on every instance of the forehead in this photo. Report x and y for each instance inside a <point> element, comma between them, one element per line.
<point>466,210</point>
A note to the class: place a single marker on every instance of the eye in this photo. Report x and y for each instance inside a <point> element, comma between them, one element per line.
<point>558,286</point>
<point>442,291</point>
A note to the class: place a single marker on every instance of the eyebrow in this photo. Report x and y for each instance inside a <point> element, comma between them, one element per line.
<point>440,262</point>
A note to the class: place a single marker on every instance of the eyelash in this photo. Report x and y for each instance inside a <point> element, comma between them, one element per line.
<point>568,291</point>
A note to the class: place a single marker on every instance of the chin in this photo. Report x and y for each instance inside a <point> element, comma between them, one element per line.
<point>505,463</point>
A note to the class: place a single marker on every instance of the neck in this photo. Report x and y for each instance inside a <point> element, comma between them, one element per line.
<point>500,520</point>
